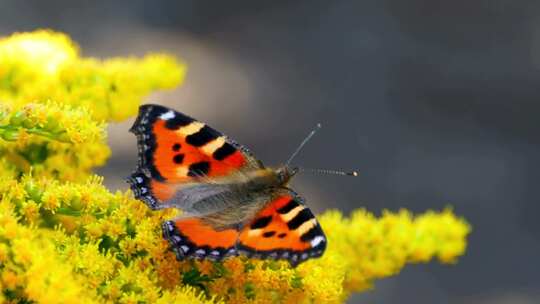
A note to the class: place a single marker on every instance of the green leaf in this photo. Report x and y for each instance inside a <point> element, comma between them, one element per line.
<point>249,290</point>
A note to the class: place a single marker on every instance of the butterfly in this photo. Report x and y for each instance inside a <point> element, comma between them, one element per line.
<point>231,203</point>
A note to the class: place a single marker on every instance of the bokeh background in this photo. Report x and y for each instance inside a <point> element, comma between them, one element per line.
<point>435,102</point>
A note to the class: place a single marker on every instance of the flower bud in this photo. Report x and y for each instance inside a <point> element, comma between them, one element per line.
<point>9,134</point>
<point>18,118</point>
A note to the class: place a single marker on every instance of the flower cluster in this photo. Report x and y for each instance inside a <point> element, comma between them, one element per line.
<point>44,65</point>
<point>65,238</point>
<point>54,103</point>
<point>51,139</point>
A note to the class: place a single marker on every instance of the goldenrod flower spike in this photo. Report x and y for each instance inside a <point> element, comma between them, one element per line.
<point>46,65</point>
<point>65,238</point>
<point>53,140</point>
<point>53,102</point>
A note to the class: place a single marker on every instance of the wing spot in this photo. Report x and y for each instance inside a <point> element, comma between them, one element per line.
<point>199,169</point>
<point>282,235</point>
<point>306,226</point>
<point>170,226</point>
<point>167,115</point>
<point>191,128</point>
<point>288,207</point>
<point>293,213</point>
<point>176,147</point>
<point>178,159</point>
<point>179,120</point>
<point>269,234</point>
<point>311,234</point>
<point>299,218</point>
<point>182,171</point>
<point>224,151</point>
<point>213,145</point>
<point>261,222</point>
<point>203,136</point>
<point>317,240</point>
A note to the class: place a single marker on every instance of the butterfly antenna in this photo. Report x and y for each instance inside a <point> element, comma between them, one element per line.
<point>326,171</point>
<point>310,135</point>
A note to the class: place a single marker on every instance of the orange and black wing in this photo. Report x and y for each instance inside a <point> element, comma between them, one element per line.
<point>175,148</point>
<point>284,229</point>
<point>192,237</point>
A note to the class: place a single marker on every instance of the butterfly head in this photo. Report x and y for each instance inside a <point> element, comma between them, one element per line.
<point>285,173</point>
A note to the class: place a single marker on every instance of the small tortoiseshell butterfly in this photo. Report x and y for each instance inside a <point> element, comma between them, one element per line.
<point>232,204</point>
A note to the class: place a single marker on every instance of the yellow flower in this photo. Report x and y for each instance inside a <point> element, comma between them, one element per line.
<point>10,280</point>
<point>30,210</point>
<point>45,65</point>
<point>55,103</point>
<point>52,139</point>
<point>45,51</point>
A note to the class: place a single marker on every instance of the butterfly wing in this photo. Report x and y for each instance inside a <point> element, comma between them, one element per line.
<point>284,229</point>
<point>213,235</point>
<point>177,149</point>
<point>192,237</point>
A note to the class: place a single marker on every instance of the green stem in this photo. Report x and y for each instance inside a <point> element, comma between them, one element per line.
<point>37,131</point>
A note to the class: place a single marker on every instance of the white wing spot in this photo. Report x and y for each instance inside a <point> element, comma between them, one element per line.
<point>139,179</point>
<point>167,115</point>
<point>184,248</point>
<point>317,240</point>
<point>200,252</point>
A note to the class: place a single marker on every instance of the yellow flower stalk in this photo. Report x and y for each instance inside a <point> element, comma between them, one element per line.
<point>54,103</point>
<point>51,139</point>
<point>65,238</point>
<point>46,65</point>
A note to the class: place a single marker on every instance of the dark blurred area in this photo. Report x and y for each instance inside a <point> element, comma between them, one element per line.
<point>436,103</point>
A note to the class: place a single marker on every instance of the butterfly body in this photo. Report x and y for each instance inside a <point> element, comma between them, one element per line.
<point>231,203</point>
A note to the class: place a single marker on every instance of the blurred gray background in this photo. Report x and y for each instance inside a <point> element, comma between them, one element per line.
<point>435,102</point>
